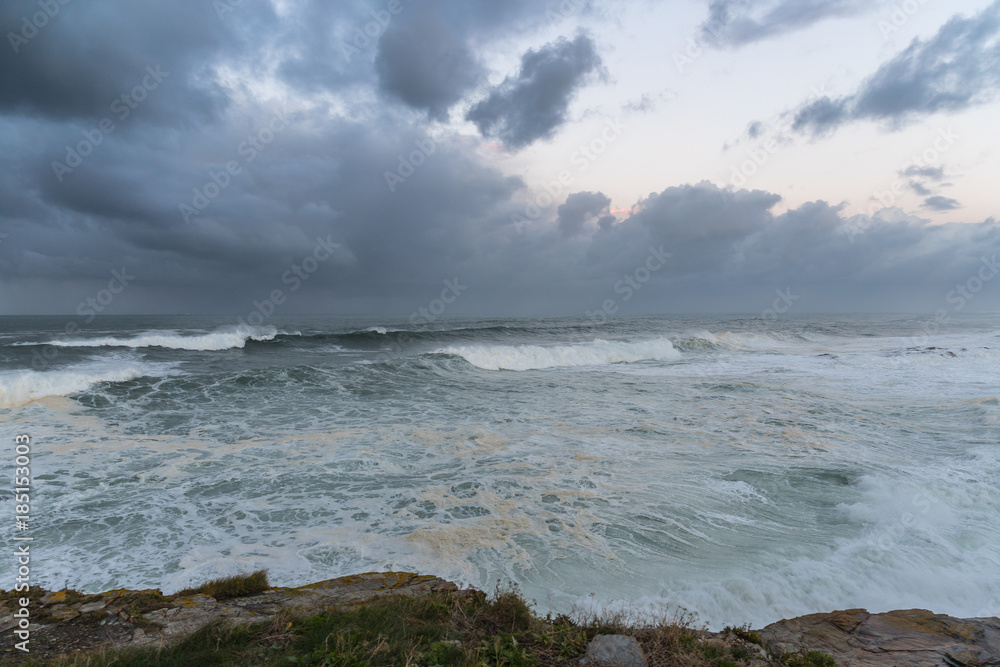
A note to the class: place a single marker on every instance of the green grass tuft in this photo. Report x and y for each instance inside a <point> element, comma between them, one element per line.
<point>810,659</point>
<point>434,630</point>
<point>746,634</point>
<point>236,586</point>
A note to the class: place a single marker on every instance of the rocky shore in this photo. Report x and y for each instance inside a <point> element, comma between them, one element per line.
<point>66,622</point>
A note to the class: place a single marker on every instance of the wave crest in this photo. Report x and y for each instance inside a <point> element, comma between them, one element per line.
<point>537,357</point>
<point>221,339</point>
<point>22,387</point>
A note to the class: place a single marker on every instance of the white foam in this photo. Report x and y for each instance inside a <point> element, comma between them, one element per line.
<point>534,357</point>
<point>221,339</point>
<point>22,387</point>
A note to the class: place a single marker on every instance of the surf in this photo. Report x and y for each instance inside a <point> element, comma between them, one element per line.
<point>538,357</point>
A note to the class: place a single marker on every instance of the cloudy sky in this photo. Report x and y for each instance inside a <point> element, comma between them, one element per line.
<point>355,155</point>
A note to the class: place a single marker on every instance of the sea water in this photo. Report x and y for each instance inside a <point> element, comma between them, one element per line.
<point>742,468</point>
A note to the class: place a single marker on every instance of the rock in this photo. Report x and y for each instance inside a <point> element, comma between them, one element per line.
<point>907,638</point>
<point>54,596</point>
<point>61,612</point>
<point>121,618</point>
<point>93,606</point>
<point>614,651</point>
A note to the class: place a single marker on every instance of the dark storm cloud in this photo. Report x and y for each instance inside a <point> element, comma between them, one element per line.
<point>333,47</point>
<point>425,64</point>
<point>739,22</point>
<point>418,52</point>
<point>581,207</point>
<point>450,218</point>
<point>407,204</point>
<point>89,54</point>
<point>534,104</point>
<point>269,217</point>
<point>957,68</point>
<point>730,250</point>
<point>939,203</point>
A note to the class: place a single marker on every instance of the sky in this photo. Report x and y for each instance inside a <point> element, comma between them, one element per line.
<point>507,158</point>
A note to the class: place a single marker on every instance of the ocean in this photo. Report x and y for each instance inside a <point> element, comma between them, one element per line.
<point>742,468</point>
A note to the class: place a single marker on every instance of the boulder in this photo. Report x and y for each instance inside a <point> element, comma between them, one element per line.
<point>613,651</point>
<point>905,638</point>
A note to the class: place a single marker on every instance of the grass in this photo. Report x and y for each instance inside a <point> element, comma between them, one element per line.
<point>238,585</point>
<point>435,630</point>
<point>810,659</point>
<point>746,634</point>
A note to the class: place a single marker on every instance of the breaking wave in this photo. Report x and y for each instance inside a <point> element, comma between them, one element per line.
<point>22,387</point>
<point>535,357</point>
<point>221,339</point>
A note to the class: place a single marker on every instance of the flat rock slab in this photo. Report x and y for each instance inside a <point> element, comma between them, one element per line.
<point>613,651</point>
<point>907,638</point>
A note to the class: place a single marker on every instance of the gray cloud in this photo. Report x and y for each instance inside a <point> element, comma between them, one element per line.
<point>644,104</point>
<point>64,72</point>
<point>739,22</point>
<point>427,65</point>
<point>920,178</point>
<point>449,218</point>
<point>931,173</point>
<point>324,176</point>
<point>939,203</point>
<point>649,102</point>
<point>580,207</point>
<point>957,68</point>
<point>534,104</point>
<point>324,48</point>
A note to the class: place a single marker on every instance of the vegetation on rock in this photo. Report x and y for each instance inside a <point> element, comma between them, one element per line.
<point>462,628</point>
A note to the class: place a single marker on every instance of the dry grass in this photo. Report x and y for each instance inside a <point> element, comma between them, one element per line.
<point>461,629</point>
<point>236,586</point>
